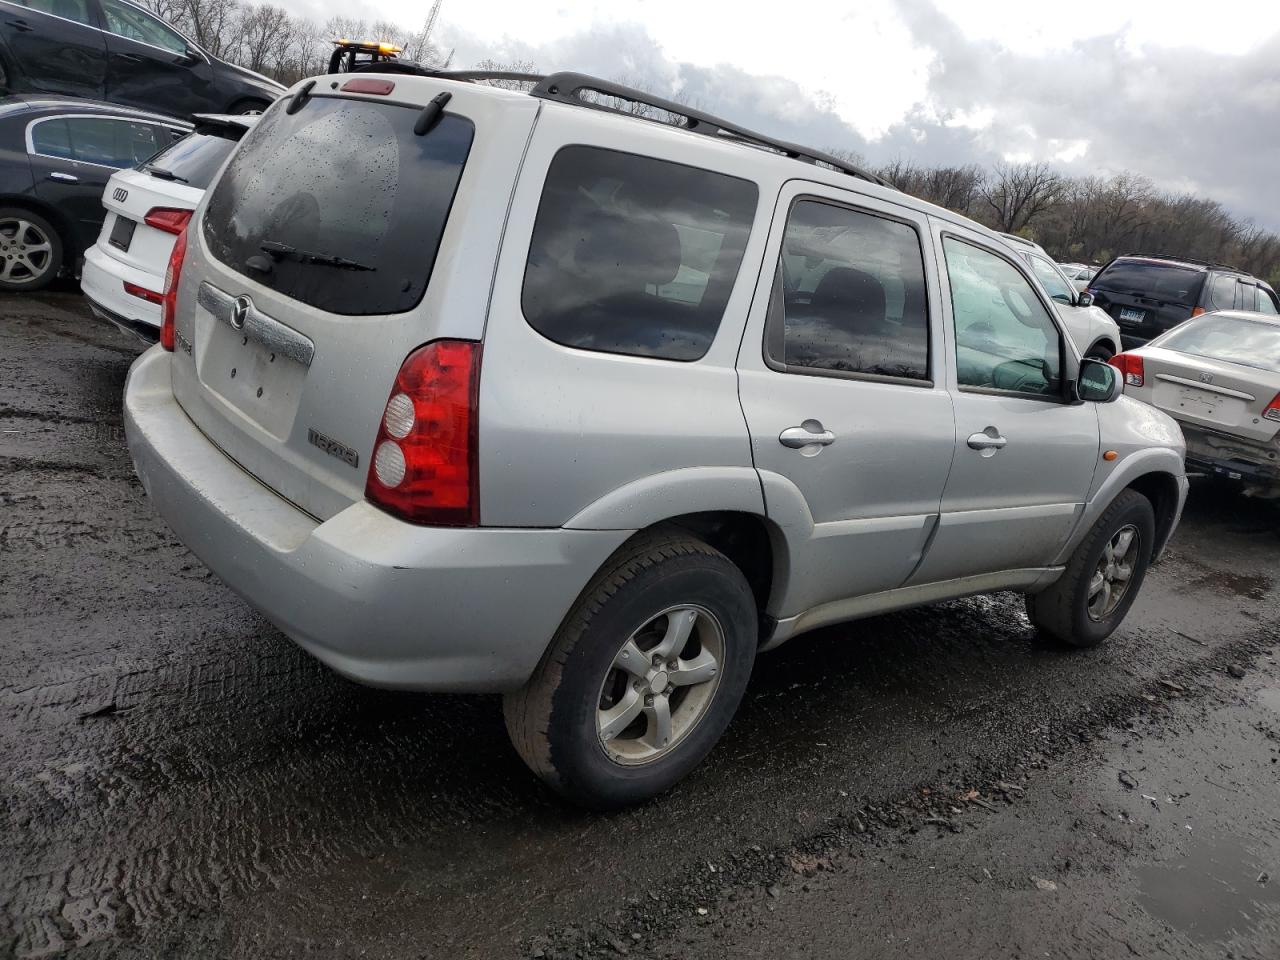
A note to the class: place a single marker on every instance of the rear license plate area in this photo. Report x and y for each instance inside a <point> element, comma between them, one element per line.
<point>122,233</point>
<point>1131,317</point>
<point>262,384</point>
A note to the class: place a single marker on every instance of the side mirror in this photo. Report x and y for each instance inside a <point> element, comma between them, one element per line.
<point>1098,382</point>
<point>191,55</point>
<point>1085,299</point>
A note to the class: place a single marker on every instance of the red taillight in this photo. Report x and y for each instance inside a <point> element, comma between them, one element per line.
<point>169,299</point>
<point>424,467</point>
<point>1273,408</point>
<point>1197,311</point>
<point>143,293</point>
<point>369,85</point>
<point>167,219</point>
<point>1130,366</point>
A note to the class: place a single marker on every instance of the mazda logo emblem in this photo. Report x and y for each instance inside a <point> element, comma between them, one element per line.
<point>120,195</point>
<point>239,310</point>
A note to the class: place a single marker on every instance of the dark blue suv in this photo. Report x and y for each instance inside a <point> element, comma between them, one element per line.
<point>117,51</point>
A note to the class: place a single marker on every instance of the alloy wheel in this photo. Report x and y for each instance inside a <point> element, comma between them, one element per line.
<point>1111,577</point>
<point>660,684</point>
<point>26,253</point>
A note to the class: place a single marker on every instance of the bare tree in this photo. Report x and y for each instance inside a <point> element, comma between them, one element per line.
<point>1015,194</point>
<point>265,36</point>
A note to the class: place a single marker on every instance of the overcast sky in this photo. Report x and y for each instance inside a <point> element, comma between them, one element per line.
<point>1185,93</point>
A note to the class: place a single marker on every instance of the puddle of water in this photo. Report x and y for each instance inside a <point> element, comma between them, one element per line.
<point>1270,698</point>
<point>1212,892</point>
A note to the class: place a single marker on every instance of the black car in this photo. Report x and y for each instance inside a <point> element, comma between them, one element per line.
<point>56,156</point>
<point>117,51</point>
<point>1147,294</point>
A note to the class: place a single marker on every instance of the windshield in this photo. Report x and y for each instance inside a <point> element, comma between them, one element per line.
<point>193,160</point>
<point>340,205</point>
<point>1158,281</point>
<point>1250,343</point>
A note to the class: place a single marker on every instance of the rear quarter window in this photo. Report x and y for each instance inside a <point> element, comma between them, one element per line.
<point>634,255</point>
<point>348,182</point>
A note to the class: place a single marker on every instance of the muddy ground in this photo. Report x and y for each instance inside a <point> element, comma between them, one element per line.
<point>179,780</point>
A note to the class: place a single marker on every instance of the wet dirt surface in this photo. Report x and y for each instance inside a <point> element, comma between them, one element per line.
<point>177,779</point>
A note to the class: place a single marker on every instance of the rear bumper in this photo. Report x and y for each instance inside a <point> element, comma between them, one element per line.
<point>1232,457</point>
<point>102,280</point>
<point>383,602</point>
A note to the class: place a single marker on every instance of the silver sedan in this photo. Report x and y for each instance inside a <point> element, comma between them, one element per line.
<point>1218,375</point>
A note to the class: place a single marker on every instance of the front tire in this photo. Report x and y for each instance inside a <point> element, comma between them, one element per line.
<point>30,251</point>
<point>643,676</point>
<point>1102,578</point>
<point>1100,351</point>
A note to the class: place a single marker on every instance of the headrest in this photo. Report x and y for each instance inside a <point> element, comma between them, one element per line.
<point>644,251</point>
<point>850,289</point>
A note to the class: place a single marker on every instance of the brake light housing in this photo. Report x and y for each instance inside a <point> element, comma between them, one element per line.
<point>168,219</point>
<point>1130,367</point>
<point>425,458</point>
<point>1273,409</point>
<point>169,299</point>
<point>143,293</point>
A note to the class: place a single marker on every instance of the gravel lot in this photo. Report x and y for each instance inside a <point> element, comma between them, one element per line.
<point>177,779</point>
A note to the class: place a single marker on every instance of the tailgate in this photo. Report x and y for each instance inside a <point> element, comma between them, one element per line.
<point>129,197</point>
<point>335,242</point>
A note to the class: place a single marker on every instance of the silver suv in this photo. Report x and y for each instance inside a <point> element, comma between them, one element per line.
<point>470,389</point>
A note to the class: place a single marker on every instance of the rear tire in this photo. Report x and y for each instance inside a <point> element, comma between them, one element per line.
<point>30,250</point>
<point>248,107</point>
<point>669,625</point>
<point>1100,351</point>
<point>1102,578</point>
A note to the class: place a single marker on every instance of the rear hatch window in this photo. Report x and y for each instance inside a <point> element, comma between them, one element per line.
<point>192,161</point>
<point>340,205</point>
<point>1155,281</point>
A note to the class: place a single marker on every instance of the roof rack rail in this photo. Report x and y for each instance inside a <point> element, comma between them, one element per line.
<point>1199,263</point>
<point>567,87</point>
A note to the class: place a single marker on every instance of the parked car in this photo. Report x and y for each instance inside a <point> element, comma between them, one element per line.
<point>1079,274</point>
<point>147,207</point>
<point>478,390</point>
<point>56,156</point>
<point>1095,334</point>
<point>118,51</point>
<point>1218,375</point>
<point>1151,293</point>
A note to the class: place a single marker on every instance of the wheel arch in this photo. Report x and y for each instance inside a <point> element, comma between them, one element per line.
<point>1162,490</point>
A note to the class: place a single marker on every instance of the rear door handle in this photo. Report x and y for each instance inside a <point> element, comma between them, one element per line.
<point>20,25</point>
<point>988,439</point>
<point>808,434</point>
<point>64,177</point>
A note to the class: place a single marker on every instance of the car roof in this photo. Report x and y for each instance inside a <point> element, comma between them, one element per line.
<point>31,103</point>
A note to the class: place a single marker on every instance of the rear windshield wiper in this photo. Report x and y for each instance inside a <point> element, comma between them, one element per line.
<point>164,174</point>
<point>281,251</point>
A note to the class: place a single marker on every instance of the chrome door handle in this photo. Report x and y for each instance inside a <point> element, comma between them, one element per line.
<point>808,434</point>
<point>988,439</point>
<point>64,177</point>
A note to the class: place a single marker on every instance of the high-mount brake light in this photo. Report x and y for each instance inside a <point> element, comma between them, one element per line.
<point>169,299</point>
<point>424,467</point>
<point>368,85</point>
<point>167,219</point>
<point>1130,367</point>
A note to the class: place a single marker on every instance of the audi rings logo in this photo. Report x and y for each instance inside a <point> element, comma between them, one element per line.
<point>239,311</point>
<point>120,195</point>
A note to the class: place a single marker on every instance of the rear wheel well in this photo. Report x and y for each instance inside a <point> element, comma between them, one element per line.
<point>745,538</point>
<point>1162,490</point>
<point>70,246</point>
<point>249,105</point>
<point>1102,349</point>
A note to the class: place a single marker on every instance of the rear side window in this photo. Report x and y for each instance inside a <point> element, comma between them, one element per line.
<point>77,10</point>
<point>105,141</point>
<point>1160,281</point>
<point>849,295</point>
<point>195,158</point>
<point>1267,301</point>
<point>341,203</point>
<point>1222,292</point>
<point>634,255</point>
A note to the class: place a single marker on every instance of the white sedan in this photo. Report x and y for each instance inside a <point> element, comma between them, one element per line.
<point>147,207</point>
<point>1218,375</point>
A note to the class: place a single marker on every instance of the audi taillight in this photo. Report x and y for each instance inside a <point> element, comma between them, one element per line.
<point>1130,367</point>
<point>424,466</point>
<point>143,293</point>
<point>169,299</point>
<point>1273,408</point>
<point>167,219</point>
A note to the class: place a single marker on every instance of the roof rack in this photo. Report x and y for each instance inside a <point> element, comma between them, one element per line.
<point>568,87</point>
<point>1198,263</point>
